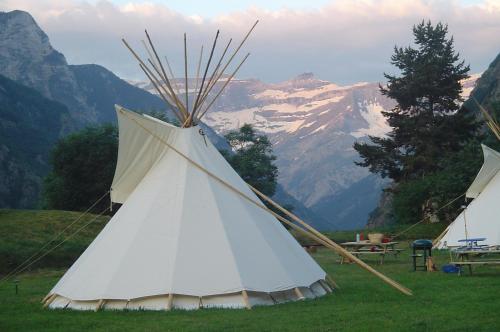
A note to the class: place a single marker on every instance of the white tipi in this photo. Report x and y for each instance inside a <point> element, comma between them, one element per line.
<point>190,233</point>
<point>181,238</point>
<point>481,218</point>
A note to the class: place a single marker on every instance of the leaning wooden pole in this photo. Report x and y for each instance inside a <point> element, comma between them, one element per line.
<point>332,244</point>
<point>341,251</point>
<point>490,120</point>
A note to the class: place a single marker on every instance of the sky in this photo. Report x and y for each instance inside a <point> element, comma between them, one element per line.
<point>343,41</point>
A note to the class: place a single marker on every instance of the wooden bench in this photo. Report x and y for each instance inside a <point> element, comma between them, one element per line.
<point>311,248</point>
<point>395,251</point>
<point>471,263</point>
<point>358,253</point>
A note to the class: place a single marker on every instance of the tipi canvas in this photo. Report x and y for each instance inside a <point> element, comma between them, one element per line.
<point>182,239</point>
<point>481,218</point>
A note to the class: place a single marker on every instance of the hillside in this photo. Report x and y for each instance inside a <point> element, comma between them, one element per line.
<point>487,89</point>
<point>30,124</point>
<point>23,232</point>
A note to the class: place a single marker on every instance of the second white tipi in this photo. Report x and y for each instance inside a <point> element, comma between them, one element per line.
<point>481,218</point>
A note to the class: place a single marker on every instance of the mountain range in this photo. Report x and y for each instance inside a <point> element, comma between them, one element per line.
<point>313,124</point>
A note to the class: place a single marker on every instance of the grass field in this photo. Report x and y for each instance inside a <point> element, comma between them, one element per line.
<point>441,302</point>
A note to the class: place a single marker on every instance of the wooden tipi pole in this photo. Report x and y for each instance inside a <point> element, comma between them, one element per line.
<point>186,73</point>
<point>165,77</point>
<point>223,87</point>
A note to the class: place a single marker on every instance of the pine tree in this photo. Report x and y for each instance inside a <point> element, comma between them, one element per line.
<point>427,121</point>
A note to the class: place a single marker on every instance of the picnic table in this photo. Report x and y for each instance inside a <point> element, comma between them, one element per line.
<point>366,247</point>
<point>472,254</point>
<point>473,243</point>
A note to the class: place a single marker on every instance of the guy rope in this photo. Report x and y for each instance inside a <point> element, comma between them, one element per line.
<point>425,218</point>
<point>36,256</point>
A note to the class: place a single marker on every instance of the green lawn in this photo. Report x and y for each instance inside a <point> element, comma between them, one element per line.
<point>441,302</point>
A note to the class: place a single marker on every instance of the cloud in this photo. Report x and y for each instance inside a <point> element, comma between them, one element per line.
<point>343,41</point>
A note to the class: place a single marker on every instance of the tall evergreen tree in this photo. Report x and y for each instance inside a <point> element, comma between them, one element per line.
<point>427,121</point>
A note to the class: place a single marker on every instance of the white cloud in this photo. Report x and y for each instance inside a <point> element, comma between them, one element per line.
<point>343,41</point>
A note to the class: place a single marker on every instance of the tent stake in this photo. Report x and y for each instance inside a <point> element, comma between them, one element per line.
<point>50,300</point>
<point>325,286</point>
<point>170,301</point>
<point>298,293</point>
<point>245,299</point>
<point>99,305</point>
<point>46,298</point>
<point>332,282</point>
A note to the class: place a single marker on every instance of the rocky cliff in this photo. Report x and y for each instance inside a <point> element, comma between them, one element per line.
<point>88,91</point>
<point>29,126</point>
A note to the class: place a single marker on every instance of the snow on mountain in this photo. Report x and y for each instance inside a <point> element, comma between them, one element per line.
<point>469,84</point>
<point>377,125</point>
<point>313,124</point>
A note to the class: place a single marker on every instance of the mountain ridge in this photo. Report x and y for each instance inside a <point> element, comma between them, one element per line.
<point>313,125</point>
